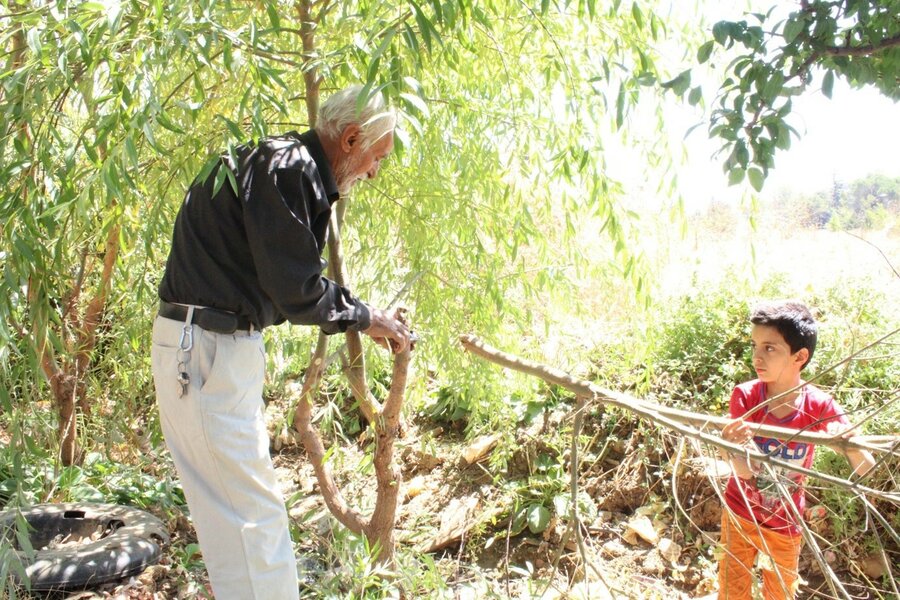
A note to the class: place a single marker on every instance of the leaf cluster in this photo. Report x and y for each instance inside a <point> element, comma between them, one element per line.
<point>108,113</point>
<point>774,57</point>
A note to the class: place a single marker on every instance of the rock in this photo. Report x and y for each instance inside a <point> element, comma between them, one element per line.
<point>418,460</point>
<point>613,548</point>
<point>669,550</point>
<point>873,566</point>
<point>640,527</point>
<point>456,519</point>
<point>413,487</point>
<point>480,448</point>
<point>653,563</point>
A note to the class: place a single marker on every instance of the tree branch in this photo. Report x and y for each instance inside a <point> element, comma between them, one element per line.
<point>348,517</point>
<point>880,251</point>
<point>387,427</point>
<point>865,50</point>
<point>310,73</point>
<point>677,419</point>
<point>355,370</point>
<point>703,421</point>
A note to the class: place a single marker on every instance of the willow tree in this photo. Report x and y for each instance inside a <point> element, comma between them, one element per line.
<point>108,111</point>
<point>783,50</point>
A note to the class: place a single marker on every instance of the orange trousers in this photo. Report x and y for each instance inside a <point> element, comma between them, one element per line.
<point>742,541</point>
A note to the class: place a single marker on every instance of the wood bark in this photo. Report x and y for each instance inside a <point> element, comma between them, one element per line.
<point>355,366</point>
<point>379,527</point>
<point>692,425</point>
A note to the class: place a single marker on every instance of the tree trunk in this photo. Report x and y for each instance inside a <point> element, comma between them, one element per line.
<point>379,529</point>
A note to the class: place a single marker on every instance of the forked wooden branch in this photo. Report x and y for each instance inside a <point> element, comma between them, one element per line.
<point>379,529</point>
<point>693,425</point>
<point>355,367</point>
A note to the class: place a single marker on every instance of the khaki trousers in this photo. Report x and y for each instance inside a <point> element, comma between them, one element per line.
<point>217,437</point>
<point>742,541</point>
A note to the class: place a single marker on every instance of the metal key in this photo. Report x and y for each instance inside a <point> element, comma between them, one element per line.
<point>183,379</point>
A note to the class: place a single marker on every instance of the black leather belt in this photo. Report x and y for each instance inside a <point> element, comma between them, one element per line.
<point>210,319</point>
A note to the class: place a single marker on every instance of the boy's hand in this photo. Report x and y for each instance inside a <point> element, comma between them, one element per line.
<point>838,429</point>
<point>862,461</point>
<point>737,432</point>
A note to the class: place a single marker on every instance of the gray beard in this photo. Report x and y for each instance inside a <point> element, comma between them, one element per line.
<point>344,176</point>
<point>343,179</point>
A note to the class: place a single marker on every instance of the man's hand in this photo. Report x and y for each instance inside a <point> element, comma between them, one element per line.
<point>389,330</point>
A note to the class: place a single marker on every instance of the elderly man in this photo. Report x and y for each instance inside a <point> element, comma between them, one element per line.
<point>246,254</point>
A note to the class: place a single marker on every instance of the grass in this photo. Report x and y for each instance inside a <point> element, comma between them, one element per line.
<point>688,348</point>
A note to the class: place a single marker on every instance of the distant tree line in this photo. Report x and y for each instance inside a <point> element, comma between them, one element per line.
<point>867,203</point>
<point>872,202</point>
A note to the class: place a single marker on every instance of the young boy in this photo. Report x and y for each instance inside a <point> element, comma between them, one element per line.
<point>757,516</point>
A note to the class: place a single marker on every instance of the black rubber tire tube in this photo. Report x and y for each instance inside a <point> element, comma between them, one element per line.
<point>131,540</point>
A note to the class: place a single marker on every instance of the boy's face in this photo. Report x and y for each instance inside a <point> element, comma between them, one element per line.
<point>772,356</point>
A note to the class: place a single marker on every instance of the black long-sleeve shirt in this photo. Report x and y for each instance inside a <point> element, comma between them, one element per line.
<point>257,253</point>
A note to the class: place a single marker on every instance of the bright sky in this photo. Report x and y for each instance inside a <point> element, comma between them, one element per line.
<point>851,135</point>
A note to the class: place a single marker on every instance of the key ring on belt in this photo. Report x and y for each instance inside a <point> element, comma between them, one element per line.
<point>183,356</point>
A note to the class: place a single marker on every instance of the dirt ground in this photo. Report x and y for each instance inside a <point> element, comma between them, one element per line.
<point>648,538</point>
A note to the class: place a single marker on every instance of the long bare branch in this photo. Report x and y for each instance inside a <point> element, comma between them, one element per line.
<point>703,421</point>
<point>667,419</point>
<point>356,365</point>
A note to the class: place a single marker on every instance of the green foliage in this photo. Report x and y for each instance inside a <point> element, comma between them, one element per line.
<point>851,317</point>
<point>702,346</point>
<point>348,569</point>
<point>188,556</point>
<point>108,113</point>
<point>869,203</point>
<point>699,349</point>
<point>543,490</point>
<point>14,544</point>
<point>450,406</point>
<point>775,56</point>
<point>98,480</point>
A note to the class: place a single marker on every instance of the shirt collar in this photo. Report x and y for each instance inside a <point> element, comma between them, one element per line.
<point>310,139</point>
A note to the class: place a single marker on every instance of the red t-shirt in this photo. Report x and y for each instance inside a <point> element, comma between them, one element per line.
<point>759,499</point>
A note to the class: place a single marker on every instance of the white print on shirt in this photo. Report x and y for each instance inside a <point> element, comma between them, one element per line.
<point>767,481</point>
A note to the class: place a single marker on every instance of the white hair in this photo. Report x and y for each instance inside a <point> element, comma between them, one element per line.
<point>374,118</point>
